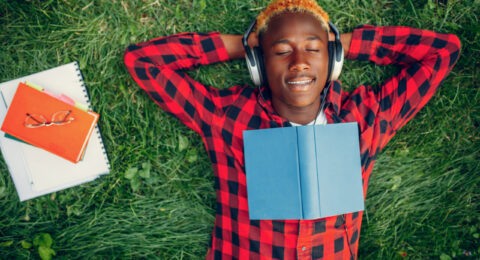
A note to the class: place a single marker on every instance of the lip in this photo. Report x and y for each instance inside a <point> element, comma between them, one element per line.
<point>300,84</point>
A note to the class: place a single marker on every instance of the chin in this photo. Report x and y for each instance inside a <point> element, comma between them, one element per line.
<point>304,99</point>
<point>301,103</point>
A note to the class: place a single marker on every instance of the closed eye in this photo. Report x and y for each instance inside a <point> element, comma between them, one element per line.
<point>282,52</point>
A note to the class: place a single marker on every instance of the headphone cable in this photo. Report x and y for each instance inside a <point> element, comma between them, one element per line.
<point>322,104</point>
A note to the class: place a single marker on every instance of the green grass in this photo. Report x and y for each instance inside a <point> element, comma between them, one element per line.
<point>423,197</point>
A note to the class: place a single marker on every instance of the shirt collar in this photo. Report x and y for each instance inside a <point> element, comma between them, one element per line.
<point>320,120</point>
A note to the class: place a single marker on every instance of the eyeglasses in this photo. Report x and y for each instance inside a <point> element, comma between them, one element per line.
<point>59,118</point>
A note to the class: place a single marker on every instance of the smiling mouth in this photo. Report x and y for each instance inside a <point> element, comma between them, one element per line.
<point>300,84</point>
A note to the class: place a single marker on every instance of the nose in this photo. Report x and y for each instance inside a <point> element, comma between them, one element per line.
<point>299,62</point>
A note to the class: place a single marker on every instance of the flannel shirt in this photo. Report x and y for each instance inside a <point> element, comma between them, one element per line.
<point>221,115</point>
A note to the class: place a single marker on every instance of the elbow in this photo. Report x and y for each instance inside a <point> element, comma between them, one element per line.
<point>456,42</point>
<point>128,56</point>
<point>132,58</point>
<point>454,48</point>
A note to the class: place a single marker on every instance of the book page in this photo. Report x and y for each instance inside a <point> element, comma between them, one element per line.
<point>273,181</point>
<point>339,172</point>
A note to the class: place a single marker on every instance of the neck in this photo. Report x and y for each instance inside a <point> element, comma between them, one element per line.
<point>300,115</point>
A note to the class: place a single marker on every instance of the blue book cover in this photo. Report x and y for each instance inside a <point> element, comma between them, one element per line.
<point>304,172</point>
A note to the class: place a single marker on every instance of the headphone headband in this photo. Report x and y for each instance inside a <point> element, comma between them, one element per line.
<point>248,53</point>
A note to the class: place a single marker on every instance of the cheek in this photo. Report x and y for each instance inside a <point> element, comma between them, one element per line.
<point>273,70</point>
<point>321,66</point>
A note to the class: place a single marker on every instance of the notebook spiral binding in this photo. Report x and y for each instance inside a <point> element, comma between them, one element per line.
<point>87,101</point>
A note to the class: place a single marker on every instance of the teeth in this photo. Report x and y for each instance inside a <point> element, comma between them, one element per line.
<point>300,82</point>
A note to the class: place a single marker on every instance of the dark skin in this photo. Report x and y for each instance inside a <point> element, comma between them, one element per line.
<point>296,62</point>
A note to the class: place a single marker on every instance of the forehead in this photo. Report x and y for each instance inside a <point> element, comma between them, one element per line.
<point>293,24</point>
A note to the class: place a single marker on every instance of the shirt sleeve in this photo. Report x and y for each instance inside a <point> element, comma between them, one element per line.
<point>424,57</point>
<point>159,65</point>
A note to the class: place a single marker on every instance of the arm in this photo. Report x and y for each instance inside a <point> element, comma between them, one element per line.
<point>425,59</point>
<point>158,67</point>
<point>233,45</point>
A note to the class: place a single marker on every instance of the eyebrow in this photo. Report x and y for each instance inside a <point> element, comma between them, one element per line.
<point>312,38</point>
<point>309,38</point>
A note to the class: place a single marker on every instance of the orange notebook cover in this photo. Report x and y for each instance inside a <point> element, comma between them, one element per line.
<point>65,140</point>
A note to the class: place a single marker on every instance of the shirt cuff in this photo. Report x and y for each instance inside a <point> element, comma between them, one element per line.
<point>363,42</point>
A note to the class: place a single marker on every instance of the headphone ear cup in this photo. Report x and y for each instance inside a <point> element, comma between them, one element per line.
<point>252,65</point>
<point>255,66</point>
<point>331,60</point>
<point>335,54</point>
<point>337,60</point>
<point>261,66</point>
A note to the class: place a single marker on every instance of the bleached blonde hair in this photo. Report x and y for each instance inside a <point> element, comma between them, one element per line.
<point>278,7</point>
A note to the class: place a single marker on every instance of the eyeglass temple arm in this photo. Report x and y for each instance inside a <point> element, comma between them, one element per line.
<point>34,119</point>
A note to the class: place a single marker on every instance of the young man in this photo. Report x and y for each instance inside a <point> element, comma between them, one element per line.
<point>293,37</point>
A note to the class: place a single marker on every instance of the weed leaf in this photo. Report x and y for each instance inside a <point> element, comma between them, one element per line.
<point>2,192</point>
<point>6,243</point>
<point>135,183</point>
<point>144,173</point>
<point>131,172</point>
<point>43,239</point>
<point>182,143</point>
<point>192,156</point>
<point>26,244</point>
<point>45,253</point>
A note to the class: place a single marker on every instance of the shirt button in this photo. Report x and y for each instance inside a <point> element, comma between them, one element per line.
<point>303,248</point>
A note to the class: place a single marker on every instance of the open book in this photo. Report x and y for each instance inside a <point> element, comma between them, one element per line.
<point>304,172</point>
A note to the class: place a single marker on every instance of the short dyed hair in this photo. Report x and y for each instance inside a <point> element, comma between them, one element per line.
<point>278,7</point>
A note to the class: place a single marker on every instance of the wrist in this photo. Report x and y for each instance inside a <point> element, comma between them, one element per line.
<point>346,40</point>
<point>233,45</point>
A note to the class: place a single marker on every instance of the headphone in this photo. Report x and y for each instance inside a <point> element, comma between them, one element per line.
<point>256,67</point>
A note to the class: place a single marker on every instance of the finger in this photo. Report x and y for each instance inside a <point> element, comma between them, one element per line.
<point>253,40</point>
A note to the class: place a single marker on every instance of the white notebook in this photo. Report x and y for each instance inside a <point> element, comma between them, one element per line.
<point>34,171</point>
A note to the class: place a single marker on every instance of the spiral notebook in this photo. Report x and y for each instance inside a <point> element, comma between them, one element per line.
<point>36,172</point>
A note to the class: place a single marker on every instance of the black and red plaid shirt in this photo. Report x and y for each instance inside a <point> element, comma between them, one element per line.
<point>220,117</point>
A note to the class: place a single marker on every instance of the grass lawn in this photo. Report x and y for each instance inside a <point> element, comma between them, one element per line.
<point>423,197</point>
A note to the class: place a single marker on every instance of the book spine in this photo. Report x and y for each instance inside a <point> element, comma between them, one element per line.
<point>308,172</point>
<point>299,177</point>
<point>86,100</point>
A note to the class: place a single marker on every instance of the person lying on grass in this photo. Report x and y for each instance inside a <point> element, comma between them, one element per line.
<point>293,36</point>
